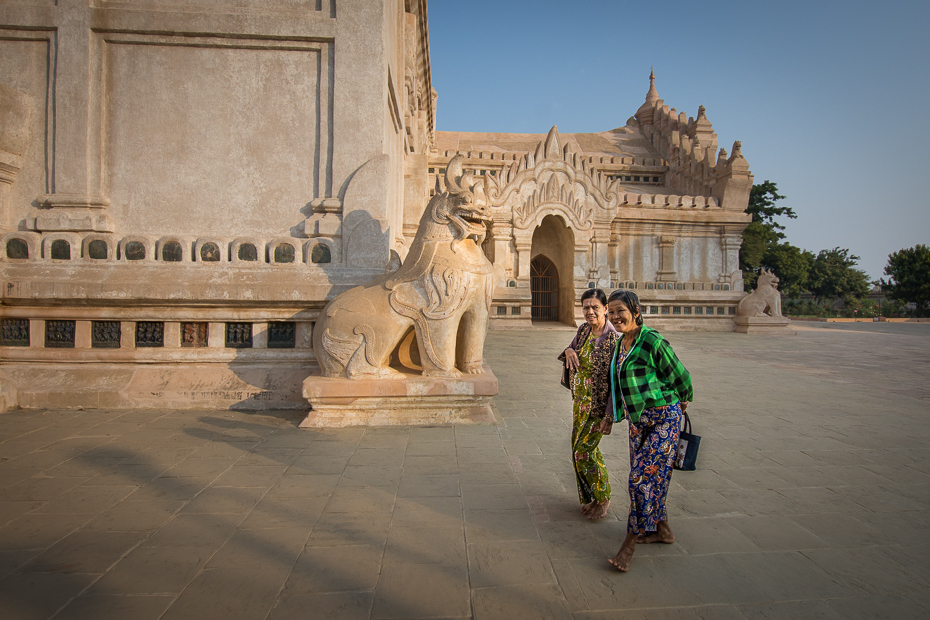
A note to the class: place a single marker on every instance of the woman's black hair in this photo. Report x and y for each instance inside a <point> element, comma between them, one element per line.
<point>597,293</point>
<point>630,300</point>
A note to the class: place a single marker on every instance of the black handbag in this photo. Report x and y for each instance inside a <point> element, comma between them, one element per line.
<point>566,376</point>
<point>688,444</point>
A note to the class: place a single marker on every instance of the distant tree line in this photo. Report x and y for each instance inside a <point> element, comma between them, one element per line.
<point>811,284</point>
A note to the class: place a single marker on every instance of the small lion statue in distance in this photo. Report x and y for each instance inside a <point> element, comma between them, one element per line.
<point>765,300</point>
<point>442,291</point>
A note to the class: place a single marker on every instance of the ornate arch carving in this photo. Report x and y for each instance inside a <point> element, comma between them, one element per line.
<point>553,180</point>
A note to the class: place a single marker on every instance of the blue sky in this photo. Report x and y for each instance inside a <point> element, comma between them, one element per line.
<point>831,100</point>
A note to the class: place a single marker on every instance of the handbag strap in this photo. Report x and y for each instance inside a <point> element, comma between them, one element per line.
<point>686,424</point>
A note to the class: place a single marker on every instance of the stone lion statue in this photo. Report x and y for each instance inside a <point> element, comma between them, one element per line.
<point>442,291</point>
<point>765,300</point>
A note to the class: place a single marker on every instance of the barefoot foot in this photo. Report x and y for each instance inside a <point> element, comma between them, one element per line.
<point>587,508</point>
<point>663,534</point>
<point>622,560</point>
<point>599,511</point>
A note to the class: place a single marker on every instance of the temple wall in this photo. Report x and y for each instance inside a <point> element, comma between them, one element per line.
<point>186,183</point>
<point>25,69</point>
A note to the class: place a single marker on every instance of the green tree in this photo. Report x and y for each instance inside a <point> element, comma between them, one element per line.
<point>763,231</point>
<point>834,275</point>
<point>791,264</point>
<point>909,270</point>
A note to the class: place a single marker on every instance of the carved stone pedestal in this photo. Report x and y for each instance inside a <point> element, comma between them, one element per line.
<point>413,400</point>
<point>764,325</point>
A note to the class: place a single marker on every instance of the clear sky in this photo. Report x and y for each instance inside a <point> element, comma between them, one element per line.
<point>831,100</point>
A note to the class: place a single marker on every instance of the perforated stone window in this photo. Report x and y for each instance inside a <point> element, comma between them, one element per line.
<point>687,309</point>
<point>171,252</point>
<point>239,335</point>
<point>698,310</point>
<point>665,309</point>
<point>515,310</point>
<point>721,310</point>
<point>105,334</point>
<point>14,333</point>
<point>501,310</point>
<point>282,335</point>
<point>61,250</point>
<point>248,252</point>
<point>676,309</point>
<point>150,334</point>
<point>17,248</point>
<point>135,250</point>
<point>59,334</point>
<point>210,253</point>
<point>320,254</point>
<point>731,310</point>
<point>653,309</point>
<point>97,249</point>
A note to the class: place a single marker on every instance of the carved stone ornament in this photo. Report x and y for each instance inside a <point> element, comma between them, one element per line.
<point>759,312</point>
<point>765,300</point>
<point>442,291</point>
<point>553,179</point>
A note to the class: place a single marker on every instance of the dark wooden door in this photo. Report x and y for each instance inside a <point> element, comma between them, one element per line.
<point>544,287</point>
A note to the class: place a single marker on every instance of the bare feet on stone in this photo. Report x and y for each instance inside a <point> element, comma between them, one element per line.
<point>598,511</point>
<point>587,508</point>
<point>622,560</point>
<point>663,534</point>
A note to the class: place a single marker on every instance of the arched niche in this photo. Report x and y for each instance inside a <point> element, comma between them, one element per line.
<point>554,241</point>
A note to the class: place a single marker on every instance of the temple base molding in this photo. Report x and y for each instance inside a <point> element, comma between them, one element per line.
<point>414,400</point>
<point>764,325</point>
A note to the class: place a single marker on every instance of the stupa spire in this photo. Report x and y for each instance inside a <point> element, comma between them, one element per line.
<point>646,112</point>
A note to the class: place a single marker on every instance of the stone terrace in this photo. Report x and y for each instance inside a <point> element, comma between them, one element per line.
<point>811,500</point>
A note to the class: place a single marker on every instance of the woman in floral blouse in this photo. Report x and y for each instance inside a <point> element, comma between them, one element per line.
<point>588,361</point>
<point>651,388</point>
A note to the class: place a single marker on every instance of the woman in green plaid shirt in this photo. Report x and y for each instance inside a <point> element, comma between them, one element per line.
<point>650,388</point>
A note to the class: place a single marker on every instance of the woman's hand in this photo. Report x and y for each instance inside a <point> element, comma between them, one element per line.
<point>684,407</point>
<point>571,359</point>
<point>606,424</point>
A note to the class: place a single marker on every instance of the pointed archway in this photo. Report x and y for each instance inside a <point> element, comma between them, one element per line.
<point>544,287</point>
<point>553,246</point>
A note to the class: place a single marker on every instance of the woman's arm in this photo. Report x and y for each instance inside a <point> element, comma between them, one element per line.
<point>570,356</point>
<point>670,369</point>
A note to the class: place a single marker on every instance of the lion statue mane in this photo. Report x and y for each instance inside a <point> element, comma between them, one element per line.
<point>441,294</point>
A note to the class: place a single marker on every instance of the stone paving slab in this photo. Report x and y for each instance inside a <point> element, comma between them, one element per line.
<point>812,500</point>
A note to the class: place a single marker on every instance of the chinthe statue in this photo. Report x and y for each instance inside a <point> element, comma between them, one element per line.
<point>760,311</point>
<point>442,291</point>
<point>765,300</point>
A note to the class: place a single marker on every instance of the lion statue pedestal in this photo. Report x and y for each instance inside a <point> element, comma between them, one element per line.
<point>760,311</point>
<point>408,347</point>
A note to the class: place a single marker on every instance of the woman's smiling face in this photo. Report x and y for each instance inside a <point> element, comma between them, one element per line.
<point>594,311</point>
<point>623,320</point>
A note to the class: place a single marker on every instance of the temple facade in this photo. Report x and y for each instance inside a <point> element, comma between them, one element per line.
<point>184,185</point>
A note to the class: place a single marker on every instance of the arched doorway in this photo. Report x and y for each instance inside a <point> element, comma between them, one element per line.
<point>544,287</point>
<point>552,255</point>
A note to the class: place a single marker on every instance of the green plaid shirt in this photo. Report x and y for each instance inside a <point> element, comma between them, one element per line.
<point>650,376</point>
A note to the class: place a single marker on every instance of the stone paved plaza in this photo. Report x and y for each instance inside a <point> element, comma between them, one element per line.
<point>812,500</point>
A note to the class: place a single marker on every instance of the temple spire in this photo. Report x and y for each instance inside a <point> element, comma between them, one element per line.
<point>646,112</point>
